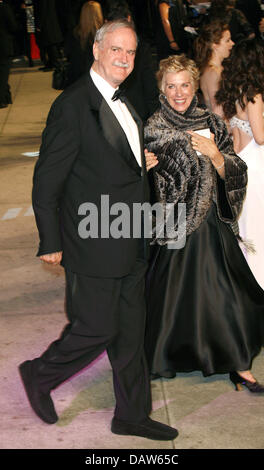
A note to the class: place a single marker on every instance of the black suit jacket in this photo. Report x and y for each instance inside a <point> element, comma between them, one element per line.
<point>85,154</point>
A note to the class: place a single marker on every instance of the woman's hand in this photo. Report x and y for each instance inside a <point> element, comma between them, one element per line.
<point>151,159</point>
<point>164,9</point>
<point>208,147</point>
<point>174,46</point>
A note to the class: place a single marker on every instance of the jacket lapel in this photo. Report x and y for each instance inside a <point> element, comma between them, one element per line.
<point>140,131</point>
<point>112,130</point>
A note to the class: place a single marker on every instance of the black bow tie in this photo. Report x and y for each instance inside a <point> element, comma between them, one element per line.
<point>118,95</point>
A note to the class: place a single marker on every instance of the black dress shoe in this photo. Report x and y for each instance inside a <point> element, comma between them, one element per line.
<point>46,68</point>
<point>41,403</point>
<point>147,428</point>
<point>3,105</point>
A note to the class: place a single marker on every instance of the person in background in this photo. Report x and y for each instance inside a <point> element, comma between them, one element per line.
<point>143,13</point>
<point>225,11</point>
<point>78,45</point>
<point>29,27</point>
<point>205,309</point>
<point>67,15</point>
<point>212,46</point>
<point>140,87</point>
<point>253,13</point>
<point>49,36</point>
<point>168,35</point>
<point>8,27</point>
<point>241,96</point>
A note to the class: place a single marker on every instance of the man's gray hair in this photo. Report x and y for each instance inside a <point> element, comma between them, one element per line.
<point>111,26</point>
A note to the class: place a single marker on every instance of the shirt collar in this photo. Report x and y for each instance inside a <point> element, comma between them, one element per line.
<point>103,86</point>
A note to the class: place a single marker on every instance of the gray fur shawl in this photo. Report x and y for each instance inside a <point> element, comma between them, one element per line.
<point>183,176</point>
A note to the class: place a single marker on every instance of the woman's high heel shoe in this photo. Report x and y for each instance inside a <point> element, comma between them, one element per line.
<point>239,382</point>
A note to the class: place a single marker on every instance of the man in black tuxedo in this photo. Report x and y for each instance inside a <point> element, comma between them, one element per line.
<point>92,147</point>
<point>140,87</point>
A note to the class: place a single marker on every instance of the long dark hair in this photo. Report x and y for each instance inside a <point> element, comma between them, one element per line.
<point>242,77</point>
<point>209,34</point>
<point>220,7</point>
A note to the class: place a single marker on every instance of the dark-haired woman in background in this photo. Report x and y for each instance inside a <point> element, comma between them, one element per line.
<point>241,95</point>
<point>211,47</point>
<point>225,10</point>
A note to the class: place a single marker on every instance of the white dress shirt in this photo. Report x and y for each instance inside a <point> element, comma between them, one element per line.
<point>121,112</point>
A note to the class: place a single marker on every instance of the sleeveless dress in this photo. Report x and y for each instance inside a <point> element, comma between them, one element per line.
<point>251,223</point>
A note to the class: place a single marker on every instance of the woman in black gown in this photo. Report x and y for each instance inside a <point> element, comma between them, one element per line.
<point>205,308</point>
<point>167,31</point>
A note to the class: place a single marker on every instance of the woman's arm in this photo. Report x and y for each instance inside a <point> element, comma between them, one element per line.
<point>255,117</point>
<point>164,14</point>
<point>236,139</point>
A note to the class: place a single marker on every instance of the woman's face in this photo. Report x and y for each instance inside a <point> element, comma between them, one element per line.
<point>223,48</point>
<point>178,88</point>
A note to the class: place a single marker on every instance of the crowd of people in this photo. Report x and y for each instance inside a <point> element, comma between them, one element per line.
<point>196,86</point>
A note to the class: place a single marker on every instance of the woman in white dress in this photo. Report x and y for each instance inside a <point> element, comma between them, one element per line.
<point>212,46</point>
<point>241,95</point>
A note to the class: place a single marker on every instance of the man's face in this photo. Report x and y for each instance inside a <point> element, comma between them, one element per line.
<point>114,56</point>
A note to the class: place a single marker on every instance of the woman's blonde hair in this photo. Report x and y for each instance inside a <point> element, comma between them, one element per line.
<point>175,64</point>
<point>91,19</point>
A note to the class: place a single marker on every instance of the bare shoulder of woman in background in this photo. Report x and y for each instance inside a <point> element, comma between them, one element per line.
<point>209,83</point>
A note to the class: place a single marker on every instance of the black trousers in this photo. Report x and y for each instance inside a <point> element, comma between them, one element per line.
<point>109,314</point>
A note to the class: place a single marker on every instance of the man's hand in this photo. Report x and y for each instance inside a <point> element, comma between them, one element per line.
<point>52,258</point>
<point>151,159</point>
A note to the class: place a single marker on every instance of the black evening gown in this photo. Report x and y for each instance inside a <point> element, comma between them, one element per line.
<point>205,308</point>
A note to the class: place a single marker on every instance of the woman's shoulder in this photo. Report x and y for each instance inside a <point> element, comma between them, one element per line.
<point>165,3</point>
<point>211,72</point>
